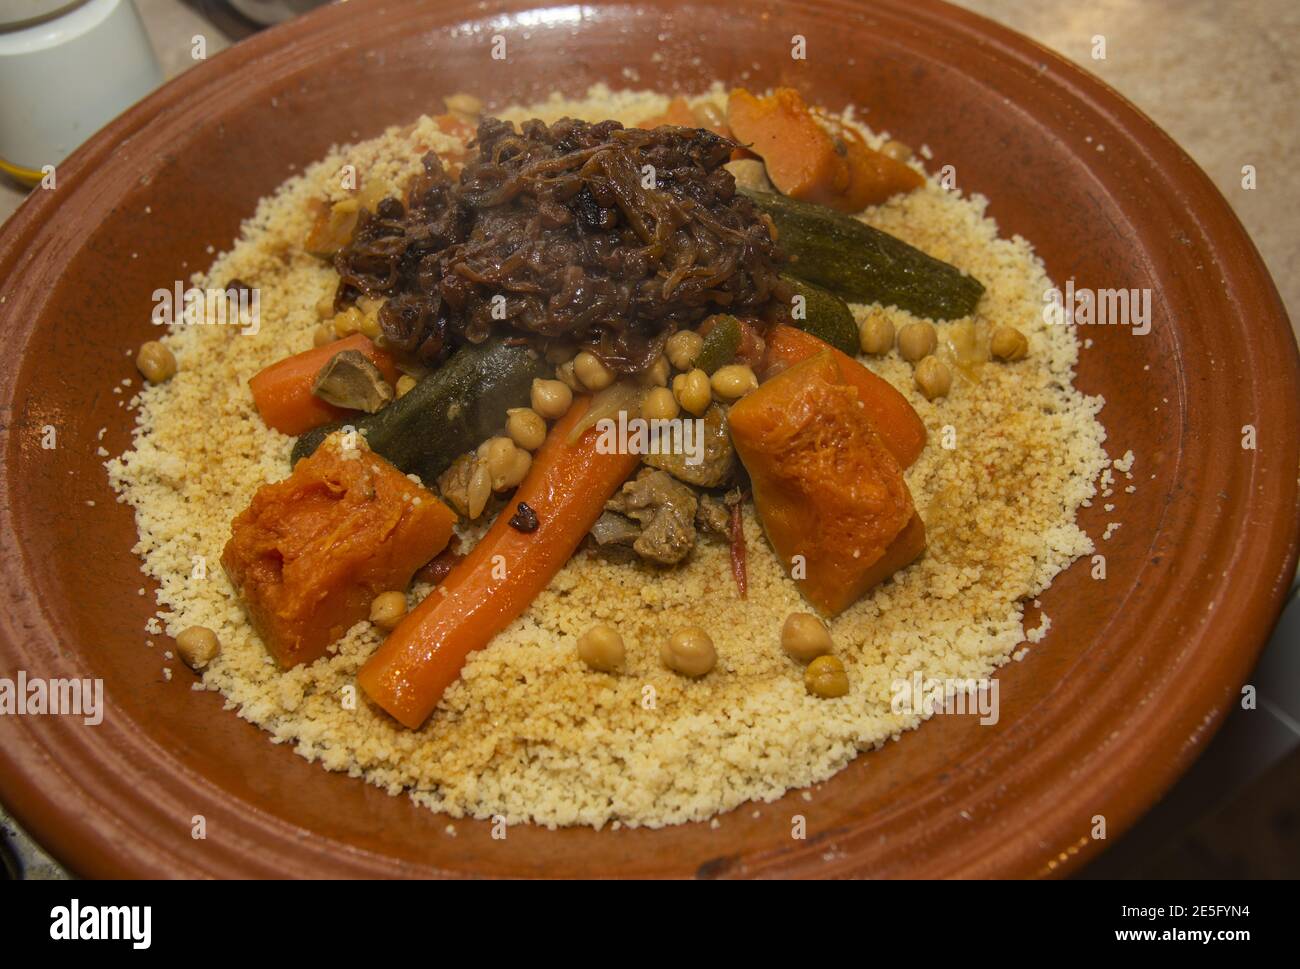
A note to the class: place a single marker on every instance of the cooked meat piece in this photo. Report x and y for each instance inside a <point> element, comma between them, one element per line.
<point>719,459</point>
<point>666,510</point>
<point>669,537</point>
<point>453,484</point>
<point>713,516</point>
<point>614,529</point>
<point>350,380</point>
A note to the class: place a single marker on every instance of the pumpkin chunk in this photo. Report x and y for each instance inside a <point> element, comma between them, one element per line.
<point>811,158</point>
<point>310,553</point>
<point>830,495</point>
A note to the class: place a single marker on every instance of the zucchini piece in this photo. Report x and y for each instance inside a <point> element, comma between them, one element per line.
<point>720,344</point>
<point>864,265</point>
<point>825,316</point>
<point>447,413</point>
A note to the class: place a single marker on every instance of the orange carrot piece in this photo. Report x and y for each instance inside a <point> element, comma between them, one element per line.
<point>567,487</point>
<point>282,392</point>
<point>899,427</point>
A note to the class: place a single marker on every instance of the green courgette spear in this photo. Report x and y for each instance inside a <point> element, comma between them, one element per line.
<point>864,265</point>
<point>824,315</point>
<point>447,413</point>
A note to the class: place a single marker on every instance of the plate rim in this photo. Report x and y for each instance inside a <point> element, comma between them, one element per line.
<point>36,790</point>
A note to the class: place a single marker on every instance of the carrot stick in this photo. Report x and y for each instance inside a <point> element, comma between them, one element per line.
<point>567,487</point>
<point>282,392</point>
<point>893,418</point>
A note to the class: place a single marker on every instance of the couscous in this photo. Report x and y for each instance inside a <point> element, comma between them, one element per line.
<point>687,656</point>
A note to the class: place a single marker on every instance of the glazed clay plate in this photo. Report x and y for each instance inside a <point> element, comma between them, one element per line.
<point>1099,718</point>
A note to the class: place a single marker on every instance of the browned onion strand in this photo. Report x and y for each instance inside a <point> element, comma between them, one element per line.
<point>556,219</point>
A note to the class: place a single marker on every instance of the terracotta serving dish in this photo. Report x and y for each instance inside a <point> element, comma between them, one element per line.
<point>1098,719</point>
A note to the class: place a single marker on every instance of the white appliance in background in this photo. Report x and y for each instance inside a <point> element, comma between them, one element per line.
<point>66,68</point>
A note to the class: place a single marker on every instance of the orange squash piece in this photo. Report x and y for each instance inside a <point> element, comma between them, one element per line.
<point>830,495</point>
<point>899,426</point>
<point>873,175</point>
<point>798,153</point>
<point>678,112</point>
<point>310,553</point>
<point>806,161</point>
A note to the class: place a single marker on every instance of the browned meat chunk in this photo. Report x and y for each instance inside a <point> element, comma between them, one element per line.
<point>714,517</point>
<point>719,461</point>
<point>665,509</point>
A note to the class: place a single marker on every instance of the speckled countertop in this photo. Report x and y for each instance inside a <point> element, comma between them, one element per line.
<point>1217,75</point>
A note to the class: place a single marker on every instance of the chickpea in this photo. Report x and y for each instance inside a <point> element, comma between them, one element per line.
<point>710,114</point>
<point>825,677</point>
<point>876,334</point>
<point>520,463</point>
<point>405,384</point>
<point>896,150</point>
<point>369,326</point>
<point>933,377</point>
<point>689,651</point>
<point>506,463</point>
<point>156,362</point>
<point>601,648</point>
<point>325,307</point>
<point>525,427</point>
<point>656,375</point>
<point>659,404</point>
<point>551,398</point>
<point>348,322</point>
<point>567,375</point>
<point>733,381</point>
<point>591,370</point>
<point>496,451</point>
<point>1008,343</point>
<point>465,105</point>
<point>693,391</point>
<point>387,610</point>
<point>683,347</point>
<point>804,637</point>
<point>917,341</point>
<point>323,335</point>
<point>198,646</point>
